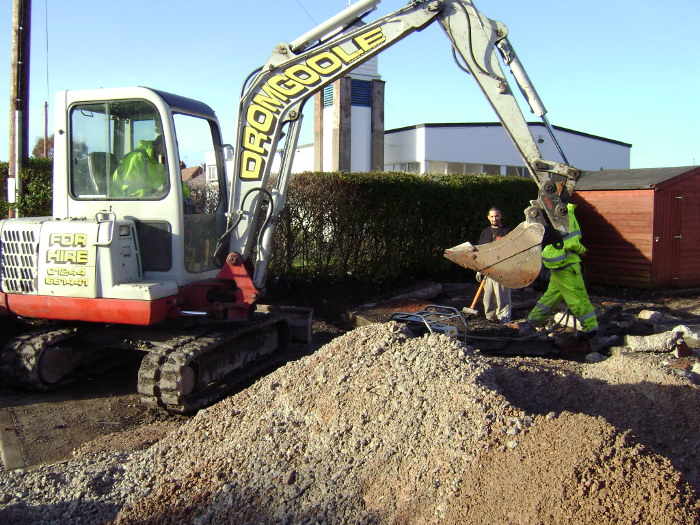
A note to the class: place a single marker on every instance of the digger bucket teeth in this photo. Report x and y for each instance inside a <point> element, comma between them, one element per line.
<point>513,261</point>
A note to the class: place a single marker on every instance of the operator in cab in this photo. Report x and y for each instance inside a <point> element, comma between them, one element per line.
<point>141,173</point>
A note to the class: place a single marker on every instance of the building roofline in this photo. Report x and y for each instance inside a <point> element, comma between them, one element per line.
<point>491,124</point>
<point>634,179</point>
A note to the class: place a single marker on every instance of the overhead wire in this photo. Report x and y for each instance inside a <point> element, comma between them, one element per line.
<point>305,10</point>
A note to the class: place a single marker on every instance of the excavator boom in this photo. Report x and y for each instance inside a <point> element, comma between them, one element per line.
<point>271,108</point>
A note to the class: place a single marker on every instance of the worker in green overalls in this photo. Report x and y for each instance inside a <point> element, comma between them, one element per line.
<point>141,174</point>
<point>566,283</point>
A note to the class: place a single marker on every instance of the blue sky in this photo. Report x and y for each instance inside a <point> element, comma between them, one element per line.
<point>620,69</point>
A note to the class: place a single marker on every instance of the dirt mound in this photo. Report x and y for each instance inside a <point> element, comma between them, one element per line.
<point>381,427</point>
<point>573,469</point>
<point>372,410</point>
<point>634,392</point>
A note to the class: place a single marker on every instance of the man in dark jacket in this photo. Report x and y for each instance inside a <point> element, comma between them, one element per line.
<point>496,296</point>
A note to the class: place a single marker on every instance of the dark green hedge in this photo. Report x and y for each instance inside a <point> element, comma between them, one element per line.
<point>358,226</point>
<point>35,200</point>
<point>387,226</point>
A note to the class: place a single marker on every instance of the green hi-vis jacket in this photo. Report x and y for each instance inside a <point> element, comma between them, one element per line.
<point>139,173</point>
<point>554,258</point>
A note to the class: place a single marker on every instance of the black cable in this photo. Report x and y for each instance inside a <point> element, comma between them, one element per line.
<point>471,48</point>
<point>222,241</point>
<point>305,11</point>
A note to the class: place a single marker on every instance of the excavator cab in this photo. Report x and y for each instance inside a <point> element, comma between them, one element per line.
<point>129,151</point>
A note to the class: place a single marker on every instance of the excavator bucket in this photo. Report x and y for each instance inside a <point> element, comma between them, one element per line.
<point>513,261</point>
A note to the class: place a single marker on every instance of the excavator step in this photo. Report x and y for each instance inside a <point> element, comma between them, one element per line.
<point>299,319</point>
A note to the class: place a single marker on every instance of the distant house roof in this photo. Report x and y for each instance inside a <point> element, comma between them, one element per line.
<point>630,179</point>
<point>191,173</point>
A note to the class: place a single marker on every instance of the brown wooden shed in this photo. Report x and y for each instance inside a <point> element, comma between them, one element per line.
<point>642,226</point>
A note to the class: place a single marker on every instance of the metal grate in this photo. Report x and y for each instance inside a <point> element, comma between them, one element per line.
<point>19,258</point>
<point>361,93</point>
<point>328,96</point>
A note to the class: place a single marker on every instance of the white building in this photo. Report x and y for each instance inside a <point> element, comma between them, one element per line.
<point>482,148</point>
<point>349,135</point>
<point>487,148</point>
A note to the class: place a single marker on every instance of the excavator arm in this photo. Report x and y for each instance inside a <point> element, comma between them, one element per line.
<point>480,44</point>
<point>270,112</point>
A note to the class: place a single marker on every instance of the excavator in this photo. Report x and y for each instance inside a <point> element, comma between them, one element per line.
<point>123,264</point>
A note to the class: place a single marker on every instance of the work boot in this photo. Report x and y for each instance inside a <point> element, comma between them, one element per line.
<point>600,342</point>
<point>525,328</point>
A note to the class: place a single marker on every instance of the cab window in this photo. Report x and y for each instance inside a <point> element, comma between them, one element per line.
<point>117,151</point>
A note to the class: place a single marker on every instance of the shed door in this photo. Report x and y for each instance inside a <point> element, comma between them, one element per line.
<point>689,208</point>
<point>667,238</point>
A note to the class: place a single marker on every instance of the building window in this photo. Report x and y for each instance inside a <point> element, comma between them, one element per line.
<point>403,167</point>
<point>456,168</point>
<point>436,166</point>
<point>516,171</point>
<point>211,174</point>
<point>492,169</point>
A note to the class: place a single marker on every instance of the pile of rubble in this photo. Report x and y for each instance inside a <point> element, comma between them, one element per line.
<point>382,427</point>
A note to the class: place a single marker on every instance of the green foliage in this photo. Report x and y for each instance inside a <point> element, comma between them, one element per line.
<point>35,200</point>
<point>205,196</point>
<point>387,226</point>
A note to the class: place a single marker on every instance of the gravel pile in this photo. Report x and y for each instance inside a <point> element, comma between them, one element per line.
<point>375,427</point>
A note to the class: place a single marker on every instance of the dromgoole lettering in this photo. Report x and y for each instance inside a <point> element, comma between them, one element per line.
<point>263,114</point>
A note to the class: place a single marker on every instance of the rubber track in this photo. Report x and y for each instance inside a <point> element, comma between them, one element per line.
<point>160,379</point>
<point>19,360</point>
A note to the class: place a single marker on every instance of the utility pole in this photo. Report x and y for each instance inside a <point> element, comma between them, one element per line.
<point>19,98</point>
<point>46,129</point>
